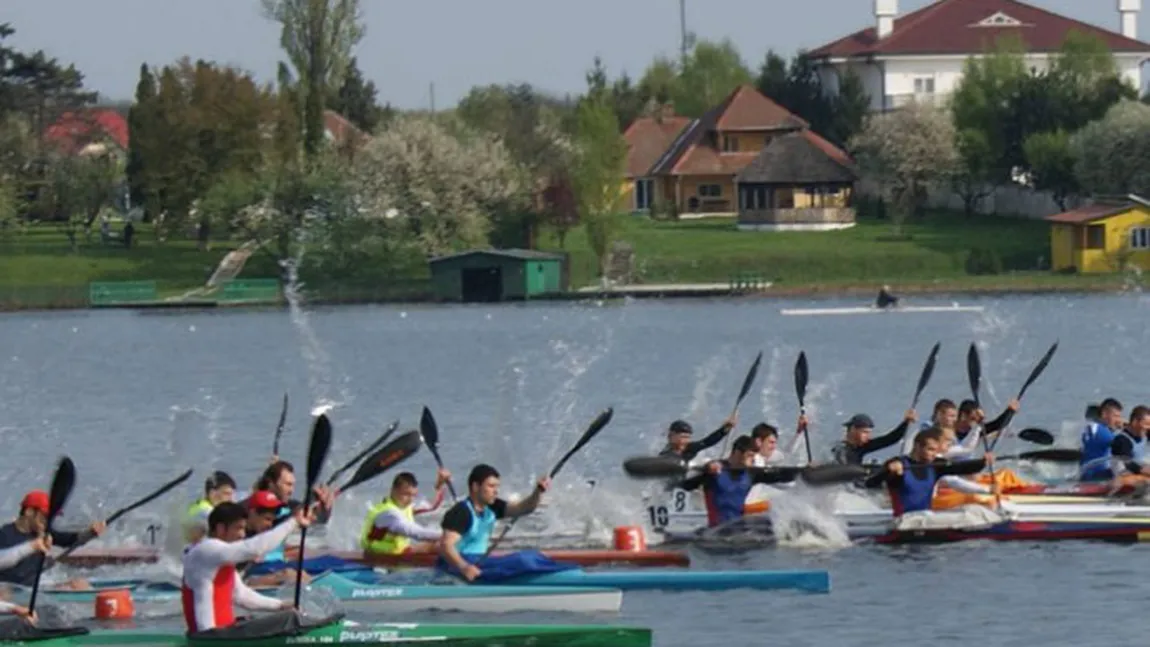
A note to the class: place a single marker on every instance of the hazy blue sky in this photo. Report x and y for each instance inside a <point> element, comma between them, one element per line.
<point>454,44</point>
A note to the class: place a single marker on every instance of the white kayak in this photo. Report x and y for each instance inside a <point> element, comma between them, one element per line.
<point>866,310</point>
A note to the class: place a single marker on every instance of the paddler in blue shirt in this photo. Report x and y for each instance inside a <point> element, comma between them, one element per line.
<point>468,525</point>
<point>1097,439</point>
<point>726,483</point>
<point>911,479</point>
<point>1128,449</point>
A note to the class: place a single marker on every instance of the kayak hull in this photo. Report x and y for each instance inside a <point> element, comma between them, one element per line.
<point>808,581</point>
<point>866,310</point>
<point>1113,530</point>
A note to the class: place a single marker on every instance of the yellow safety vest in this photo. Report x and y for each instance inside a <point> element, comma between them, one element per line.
<point>195,513</point>
<point>375,540</point>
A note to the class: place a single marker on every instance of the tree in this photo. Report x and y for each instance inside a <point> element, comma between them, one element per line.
<point>660,81</point>
<point>906,151</point>
<point>141,129</point>
<point>709,73</point>
<point>974,175</point>
<point>985,99</point>
<point>1051,165</point>
<point>1112,155</point>
<point>849,109</point>
<point>317,36</point>
<point>599,164</point>
<point>797,87</point>
<point>356,100</point>
<point>441,189</point>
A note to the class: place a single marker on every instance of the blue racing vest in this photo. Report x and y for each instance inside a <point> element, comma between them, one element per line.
<point>478,537</point>
<point>1095,462</point>
<point>727,495</point>
<point>914,494</point>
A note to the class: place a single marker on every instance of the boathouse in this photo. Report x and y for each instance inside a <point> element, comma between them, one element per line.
<point>487,275</point>
<point>1111,235</point>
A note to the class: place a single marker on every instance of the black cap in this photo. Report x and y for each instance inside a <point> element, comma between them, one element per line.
<point>681,427</point>
<point>860,420</point>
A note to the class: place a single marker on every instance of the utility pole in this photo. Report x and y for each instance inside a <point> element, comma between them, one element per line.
<point>432,92</point>
<point>683,29</point>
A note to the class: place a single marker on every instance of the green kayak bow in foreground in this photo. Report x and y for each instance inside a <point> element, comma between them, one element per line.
<point>282,629</point>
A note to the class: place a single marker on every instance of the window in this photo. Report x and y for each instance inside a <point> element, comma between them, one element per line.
<point>753,198</point>
<point>924,85</point>
<point>1095,237</point>
<point>710,191</point>
<point>643,197</point>
<point>1140,238</point>
<point>730,144</point>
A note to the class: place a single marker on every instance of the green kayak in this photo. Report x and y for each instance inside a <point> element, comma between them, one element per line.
<point>261,633</point>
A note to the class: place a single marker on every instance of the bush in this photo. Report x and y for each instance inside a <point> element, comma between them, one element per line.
<point>983,261</point>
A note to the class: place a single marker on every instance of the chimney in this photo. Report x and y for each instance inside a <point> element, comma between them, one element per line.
<point>884,13</point>
<point>1128,10</point>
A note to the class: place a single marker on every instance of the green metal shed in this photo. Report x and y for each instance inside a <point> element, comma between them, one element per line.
<point>496,275</point>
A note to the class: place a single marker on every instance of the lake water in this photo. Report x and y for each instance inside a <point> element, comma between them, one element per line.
<point>136,398</point>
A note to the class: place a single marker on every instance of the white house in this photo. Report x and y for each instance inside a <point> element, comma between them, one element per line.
<point>920,55</point>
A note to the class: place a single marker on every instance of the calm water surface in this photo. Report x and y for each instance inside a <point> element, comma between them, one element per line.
<point>136,398</point>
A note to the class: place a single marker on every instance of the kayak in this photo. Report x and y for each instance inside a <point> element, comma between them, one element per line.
<point>1116,529</point>
<point>866,310</point>
<point>342,632</point>
<point>683,580</point>
<point>93,557</point>
<point>477,598</point>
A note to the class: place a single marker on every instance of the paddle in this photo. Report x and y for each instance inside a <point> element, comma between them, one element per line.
<point>430,432</point>
<point>1056,455</point>
<point>316,455</point>
<point>1036,436</point>
<point>1034,373</point>
<point>670,467</point>
<point>358,457</point>
<point>142,502</point>
<point>746,388</point>
<point>280,427</point>
<point>927,372</point>
<point>593,429</point>
<point>386,458</point>
<point>974,375</point>
<point>802,375</point>
<point>62,483</point>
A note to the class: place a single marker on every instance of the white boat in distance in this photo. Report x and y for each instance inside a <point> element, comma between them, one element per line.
<point>866,310</point>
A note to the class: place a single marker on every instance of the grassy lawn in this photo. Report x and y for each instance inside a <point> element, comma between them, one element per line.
<point>933,250</point>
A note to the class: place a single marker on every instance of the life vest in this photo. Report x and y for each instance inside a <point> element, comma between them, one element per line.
<point>380,540</point>
<point>222,600</point>
<point>1139,447</point>
<point>196,516</point>
<point>1095,462</point>
<point>478,537</point>
<point>727,495</point>
<point>913,494</point>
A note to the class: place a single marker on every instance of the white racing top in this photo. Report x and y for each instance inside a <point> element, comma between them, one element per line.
<point>9,557</point>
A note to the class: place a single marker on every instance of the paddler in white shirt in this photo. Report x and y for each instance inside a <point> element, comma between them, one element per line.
<point>10,557</point>
<point>766,444</point>
<point>390,527</point>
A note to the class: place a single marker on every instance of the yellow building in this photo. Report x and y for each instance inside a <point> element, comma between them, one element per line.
<point>1107,236</point>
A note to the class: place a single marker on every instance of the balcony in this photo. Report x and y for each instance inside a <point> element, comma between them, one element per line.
<point>896,101</point>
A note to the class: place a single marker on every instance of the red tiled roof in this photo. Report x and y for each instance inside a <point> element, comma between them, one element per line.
<point>747,109</point>
<point>950,27</point>
<point>1090,213</point>
<point>648,138</point>
<point>340,128</point>
<point>75,130</point>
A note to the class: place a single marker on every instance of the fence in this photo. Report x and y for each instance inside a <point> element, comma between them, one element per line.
<point>121,293</point>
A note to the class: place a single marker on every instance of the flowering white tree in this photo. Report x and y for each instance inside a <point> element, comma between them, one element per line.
<point>443,186</point>
<point>1112,155</point>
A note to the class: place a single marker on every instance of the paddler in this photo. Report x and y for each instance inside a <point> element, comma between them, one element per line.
<point>885,298</point>
<point>220,487</point>
<point>857,442</point>
<point>1129,448</point>
<point>263,510</point>
<point>911,480</point>
<point>211,584</point>
<point>679,439</point>
<point>279,480</point>
<point>32,522</point>
<point>390,526</point>
<point>766,446</point>
<point>468,525</point>
<point>970,416</point>
<point>726,483</point>
<point>1097,439</point>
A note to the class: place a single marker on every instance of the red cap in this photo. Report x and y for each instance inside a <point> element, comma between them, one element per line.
<point>264,500</point>
<point>37,500</point>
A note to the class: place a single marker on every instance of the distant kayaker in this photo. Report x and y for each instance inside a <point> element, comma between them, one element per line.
<point>390,527</point>
<point>10,557</point>
<point>1097,439</point>
<point>679,439</point>
<point>211,584</point>
<point>1128,448</point>
<point>219,488</point>
<point>726,483</point>
<point>468,525</point>
<point>279,480</point>
<point>31,523</point>
<point>857,443</point>
<point>971,416</point>
<point>885,298</point>
<point>911,479</point>
<point>263,509</point>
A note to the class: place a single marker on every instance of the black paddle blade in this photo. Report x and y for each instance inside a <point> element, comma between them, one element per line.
<point>359,457</point>
<point>750,379</point>
<point>62,484</point>
<point>280,426</point>
<point>927,372</point>
<point>594,428</point>
<point>1059,455</point>
<point>386,458</point>
<point>973,370</point>
<point>1038,368</point>
<point>428,428</point>
<point>655,467</point>
<point>801,377</point>
<point>1036,436</point>
<point>831,474</point>
<point>317,450</point>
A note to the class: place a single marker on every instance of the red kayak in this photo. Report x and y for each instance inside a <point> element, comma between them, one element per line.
<point>88,558</point>
<point>1117,530</point>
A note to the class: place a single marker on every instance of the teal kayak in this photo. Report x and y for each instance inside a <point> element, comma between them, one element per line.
<point>257,634</point>
<point>683,580</point>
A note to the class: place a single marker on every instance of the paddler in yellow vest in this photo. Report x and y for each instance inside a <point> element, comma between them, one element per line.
<point>390,526</point>
<point>218,488</point>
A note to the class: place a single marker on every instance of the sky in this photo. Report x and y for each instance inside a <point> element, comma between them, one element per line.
<point>412,46</point>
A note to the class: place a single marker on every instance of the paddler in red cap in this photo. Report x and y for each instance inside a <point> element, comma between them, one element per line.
<point>264,508</point>
<point>31,523</point>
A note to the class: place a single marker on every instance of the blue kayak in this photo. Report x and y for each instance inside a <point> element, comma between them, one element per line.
<point>682,580</point>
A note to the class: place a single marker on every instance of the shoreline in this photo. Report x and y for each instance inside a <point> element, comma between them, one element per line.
<point>1068,286</point>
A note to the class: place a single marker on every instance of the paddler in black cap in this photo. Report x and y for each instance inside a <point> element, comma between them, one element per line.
<point>857,442</point>
<point>885,298</point>
<point>679,439</point>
